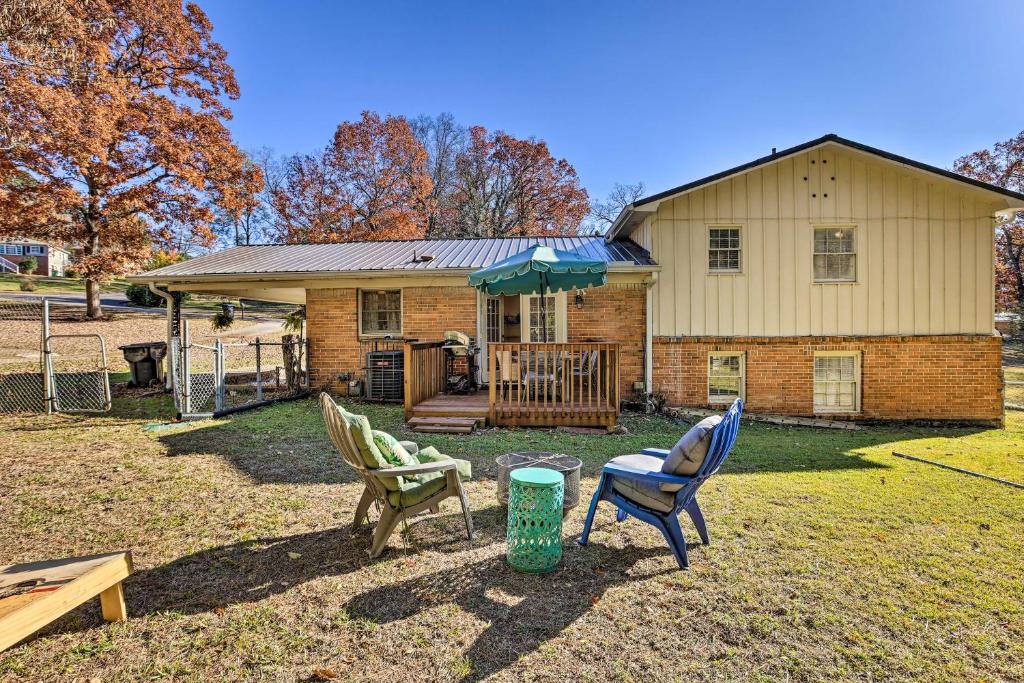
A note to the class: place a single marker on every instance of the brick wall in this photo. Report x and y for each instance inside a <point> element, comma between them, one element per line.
<point>614,313</point>
<point>334,333</point>
<point>941,377</point>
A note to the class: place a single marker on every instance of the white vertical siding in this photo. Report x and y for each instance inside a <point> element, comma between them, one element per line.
<point>924,252</point>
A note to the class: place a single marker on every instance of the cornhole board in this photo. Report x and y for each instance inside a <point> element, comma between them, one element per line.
<point>36,593</point>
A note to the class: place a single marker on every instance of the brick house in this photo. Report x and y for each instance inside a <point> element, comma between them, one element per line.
<point>827,279</point>
<point>52,260</point>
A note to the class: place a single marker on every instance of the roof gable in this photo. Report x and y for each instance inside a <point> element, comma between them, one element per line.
<point>633,214</point>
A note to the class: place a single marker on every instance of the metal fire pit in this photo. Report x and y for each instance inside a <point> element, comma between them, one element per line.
<point>559,462</point>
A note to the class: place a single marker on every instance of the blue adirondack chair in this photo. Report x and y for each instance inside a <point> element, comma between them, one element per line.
<point>685,499</point>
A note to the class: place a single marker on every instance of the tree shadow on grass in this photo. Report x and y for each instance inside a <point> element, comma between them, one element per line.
<point>278,457</point>
<point>523,610</point>
<point>245,572</point>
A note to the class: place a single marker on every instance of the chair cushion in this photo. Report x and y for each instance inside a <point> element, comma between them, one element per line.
<point>688,454</point>
<point>392,449</point>
<point>362,435</point>
<point>430,454</point>
<point>416,492</point>
<point>660,497</point>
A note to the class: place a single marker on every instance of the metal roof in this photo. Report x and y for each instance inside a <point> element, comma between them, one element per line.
<point>403,255</point>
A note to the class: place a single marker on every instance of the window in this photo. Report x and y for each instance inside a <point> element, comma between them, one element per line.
<point>837,383</point>
<point>835,255</point>
<point>380,312</point>
<point>536,326</point>
<point>11,249</point>
<point>36,249</point>
<point>724,250</point>
<point>725,377</point>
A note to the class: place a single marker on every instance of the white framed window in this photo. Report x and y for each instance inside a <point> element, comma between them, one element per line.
<point>837,382</point>
<point>36,249</point>
<point>537,323</point>
<point>725,249</point>
<point>835,254</point>
<point>11,249</point>
<point>380,312</point>
<point>726,376</point>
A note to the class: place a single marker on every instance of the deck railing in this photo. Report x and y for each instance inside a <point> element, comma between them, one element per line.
<point>553,384</point>
<point>424,372</point>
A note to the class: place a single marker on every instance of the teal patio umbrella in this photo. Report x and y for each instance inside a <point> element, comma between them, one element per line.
<point>540,270</point>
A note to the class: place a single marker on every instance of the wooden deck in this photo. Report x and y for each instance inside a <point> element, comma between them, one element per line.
<point>541,385</point>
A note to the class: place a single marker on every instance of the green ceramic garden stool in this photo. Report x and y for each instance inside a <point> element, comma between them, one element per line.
<point>535,519</point>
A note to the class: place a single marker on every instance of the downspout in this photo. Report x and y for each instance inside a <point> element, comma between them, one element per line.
<point>169,301</point>
<point>649,337</point>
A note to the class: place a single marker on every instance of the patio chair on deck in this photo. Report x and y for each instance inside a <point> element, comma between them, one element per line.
<point>657,485</point>
<point>402,478</point>
<point>542,372</point>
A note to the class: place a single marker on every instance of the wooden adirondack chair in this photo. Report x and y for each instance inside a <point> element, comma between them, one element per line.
<point>670,494</point>
<point>401,492</point>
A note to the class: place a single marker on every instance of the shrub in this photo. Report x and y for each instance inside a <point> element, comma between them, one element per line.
<point>26,285</point>
<point>141,296</point>
<point>221,320</point>
<point>29,265</point>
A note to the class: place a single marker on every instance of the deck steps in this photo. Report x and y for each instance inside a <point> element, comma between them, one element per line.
<point>444,425</point>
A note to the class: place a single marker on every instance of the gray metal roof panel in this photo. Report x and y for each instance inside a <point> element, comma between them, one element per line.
<point>354,257</point>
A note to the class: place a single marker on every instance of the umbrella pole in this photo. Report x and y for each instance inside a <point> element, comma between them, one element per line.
<point>543,309</point>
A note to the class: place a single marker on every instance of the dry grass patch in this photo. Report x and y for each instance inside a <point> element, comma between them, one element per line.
<point>830,559</point>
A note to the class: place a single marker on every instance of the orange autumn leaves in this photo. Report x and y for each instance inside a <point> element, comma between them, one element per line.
<point>371,182</point>
<point>374,182</point>
<point>113,132</point>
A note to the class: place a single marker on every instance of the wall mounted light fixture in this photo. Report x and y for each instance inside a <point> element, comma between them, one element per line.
<point>579,299</point>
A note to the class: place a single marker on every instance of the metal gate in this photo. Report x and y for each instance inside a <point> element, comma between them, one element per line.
<point>45,372</point>
<point>212,378</point>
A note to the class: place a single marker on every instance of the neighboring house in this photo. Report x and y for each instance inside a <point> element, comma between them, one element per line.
<point>52,260</point>
<point>828,279</point>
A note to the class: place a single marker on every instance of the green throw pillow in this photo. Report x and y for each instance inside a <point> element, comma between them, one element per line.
<point>392,451</point>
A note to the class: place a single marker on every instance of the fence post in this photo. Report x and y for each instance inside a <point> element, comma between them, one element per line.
<point>47,366</point>
<point>186,369</point>
<point>259,372</point>
<point>218,376</point>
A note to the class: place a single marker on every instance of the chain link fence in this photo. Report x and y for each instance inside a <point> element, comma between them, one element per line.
<point>1013,396</point>
<point>213,377</point>
<point>21,357</point>
<point>43,369</point>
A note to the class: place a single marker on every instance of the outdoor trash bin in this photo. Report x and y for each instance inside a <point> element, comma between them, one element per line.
<point>146,362</point>
<point>535,519</point>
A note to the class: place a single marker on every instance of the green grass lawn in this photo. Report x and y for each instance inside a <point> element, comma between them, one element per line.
<point>1014,392</point>
<point>830,559</point>
<point>55,285</point>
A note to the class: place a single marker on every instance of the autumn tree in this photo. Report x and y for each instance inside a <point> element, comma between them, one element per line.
<point>252,220</point>
<point>444,140</point>
<point>1003,165</point>
<point>113,128</point>
<point>508,186</point>
<point>372,182</point>
<point>603,213</point>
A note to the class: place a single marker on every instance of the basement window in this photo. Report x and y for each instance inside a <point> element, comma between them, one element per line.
<point>380,312</point>
<point>724,249</point>
<point>725,376</point>
<point>836,382</point>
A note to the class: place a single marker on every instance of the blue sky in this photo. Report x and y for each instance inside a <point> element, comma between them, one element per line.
<point>627,91</point>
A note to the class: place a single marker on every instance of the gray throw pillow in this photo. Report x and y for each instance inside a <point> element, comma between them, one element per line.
<point>688,454</point>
